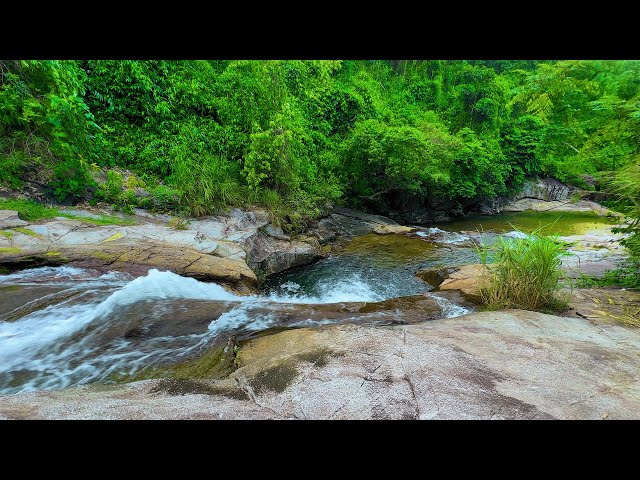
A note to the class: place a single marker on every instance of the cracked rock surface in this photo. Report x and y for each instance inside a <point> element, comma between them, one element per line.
<point>511,364</point>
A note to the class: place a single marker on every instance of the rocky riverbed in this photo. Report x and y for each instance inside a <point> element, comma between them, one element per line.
<point>226,349</point>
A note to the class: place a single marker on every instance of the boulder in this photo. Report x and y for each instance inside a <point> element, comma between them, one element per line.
<point>547,189</point>
<point>466,280</point>
<point>396,229</point>
<point>271,255</point>
<point>555,205</point>
<point>435,277</point>
<point>10,218</point>
<point>509,364</point>
<point>136,258</point>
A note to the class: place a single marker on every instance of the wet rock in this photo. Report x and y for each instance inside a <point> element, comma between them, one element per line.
<point>275,232</point>
<point>510,364</point>
<point>136,258</point>
<point>9,219</point>
<point>466,280</point>
<point>435,277</point>
<point>546,193</point>
<point>348,223</point>
<point>389,229</point>
<point>270,255</point>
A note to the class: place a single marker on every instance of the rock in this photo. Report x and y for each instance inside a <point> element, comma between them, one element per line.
<point>387,229</point>
<point>270,255</point>
<point>275,232</point>
<point>611,305</point>
<point>510,364</point>
<point>137,257</point>
<point>348,223</point>
<point>556,206</point>
<point>465,279</point>
<point>365,217</point>
<point>9,219</point>
<point>546,189</point>
<point>435,277</point>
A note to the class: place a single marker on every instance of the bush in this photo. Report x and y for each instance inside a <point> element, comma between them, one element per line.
<point>523,273</point>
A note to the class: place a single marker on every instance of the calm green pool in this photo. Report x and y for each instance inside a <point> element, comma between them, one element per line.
<point>562,223</point>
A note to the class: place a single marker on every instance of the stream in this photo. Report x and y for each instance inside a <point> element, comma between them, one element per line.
<point>63,326</point>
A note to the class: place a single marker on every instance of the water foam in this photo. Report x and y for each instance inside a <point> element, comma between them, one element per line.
<point>82,339</point>
<point>349,289</point>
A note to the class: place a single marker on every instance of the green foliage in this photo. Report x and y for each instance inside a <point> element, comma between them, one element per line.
<point>624,185</point>
<point>34,211</point>
<point>522,273</point>
<point>205,135</point>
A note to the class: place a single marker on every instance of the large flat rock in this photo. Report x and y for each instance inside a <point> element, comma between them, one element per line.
<point>555,205</point>
<point>510,364</point>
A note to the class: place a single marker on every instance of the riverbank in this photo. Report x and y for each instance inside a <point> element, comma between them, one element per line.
<point>492,365</point>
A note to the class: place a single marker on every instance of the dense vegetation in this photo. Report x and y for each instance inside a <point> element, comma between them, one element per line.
<point>296,136</point>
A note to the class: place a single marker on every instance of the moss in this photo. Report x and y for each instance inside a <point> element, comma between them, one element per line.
<point>319,357</point>
<point>26,231</point>
<point>186,386</point>
<point>276,378</point>
<point>10,288</point>
<point>102,256</point>
<point>28,209</point>
<point>216,363</point>
<point>9,250</point>
<point>53,253</point>
<point>6,233</point>
<point>113,237</point>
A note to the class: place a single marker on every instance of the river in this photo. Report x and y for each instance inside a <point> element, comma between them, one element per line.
<point>62,326</point>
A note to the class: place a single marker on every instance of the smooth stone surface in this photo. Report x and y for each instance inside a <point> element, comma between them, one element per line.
<point>556,206</point>
<point>10,218</point>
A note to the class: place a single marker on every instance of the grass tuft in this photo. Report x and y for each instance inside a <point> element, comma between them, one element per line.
<point>523,273</point>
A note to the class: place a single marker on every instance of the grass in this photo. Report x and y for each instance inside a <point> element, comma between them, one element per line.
<point>33,211</point>
<point>524,273</point>
<point>178,223</point>
<point>28,209</point>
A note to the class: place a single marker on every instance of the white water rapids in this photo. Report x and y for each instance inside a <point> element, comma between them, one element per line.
<point>81,339</point>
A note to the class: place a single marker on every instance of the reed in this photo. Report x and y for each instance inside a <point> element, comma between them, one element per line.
<point>523,273</point>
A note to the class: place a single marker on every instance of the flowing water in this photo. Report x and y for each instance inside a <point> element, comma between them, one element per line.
<point>61,326</point>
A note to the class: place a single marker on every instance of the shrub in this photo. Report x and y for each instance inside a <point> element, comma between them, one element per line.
<point>523,273</point>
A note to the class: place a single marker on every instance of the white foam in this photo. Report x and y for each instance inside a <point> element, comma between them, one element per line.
<point>348,289</point>
<point>50,272</point>
<point>515,234</point>
<point>443,235</point>
<point>450,309</point>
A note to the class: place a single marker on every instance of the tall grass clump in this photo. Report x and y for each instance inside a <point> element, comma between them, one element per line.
<point>523,273</point>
